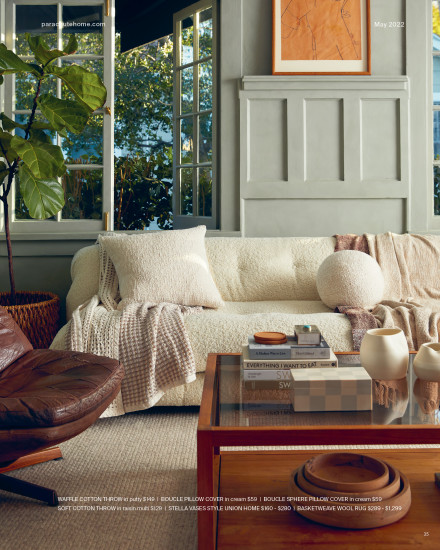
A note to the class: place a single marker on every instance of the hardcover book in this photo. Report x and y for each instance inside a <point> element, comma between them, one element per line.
<point>290,350</point>
<point>281,364</point>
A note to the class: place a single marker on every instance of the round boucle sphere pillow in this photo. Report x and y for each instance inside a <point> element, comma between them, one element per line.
<point>350,278</point>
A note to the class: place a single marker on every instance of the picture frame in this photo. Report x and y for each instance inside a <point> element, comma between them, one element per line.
<point>321,37</point>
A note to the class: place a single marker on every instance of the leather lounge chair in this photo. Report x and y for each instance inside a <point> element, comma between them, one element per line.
<point>46,397</point>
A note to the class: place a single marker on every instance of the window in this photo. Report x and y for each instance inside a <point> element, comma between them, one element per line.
<point>195,169</point>
<point>147,160</point>
<point>436,102</point>
<point>88,156</point>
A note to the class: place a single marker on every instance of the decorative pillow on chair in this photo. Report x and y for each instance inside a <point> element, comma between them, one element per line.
<point>167,266</point>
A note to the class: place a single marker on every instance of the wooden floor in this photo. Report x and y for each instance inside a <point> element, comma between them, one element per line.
<point>258,474</point>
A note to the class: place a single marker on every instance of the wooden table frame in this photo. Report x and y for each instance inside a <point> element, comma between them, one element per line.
<point>210,437</point>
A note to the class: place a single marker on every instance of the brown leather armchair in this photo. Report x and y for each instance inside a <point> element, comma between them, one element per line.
<point>46,397</point>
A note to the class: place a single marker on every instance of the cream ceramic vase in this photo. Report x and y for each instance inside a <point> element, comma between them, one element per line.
<point>427,362</point>
<point>384,353</point>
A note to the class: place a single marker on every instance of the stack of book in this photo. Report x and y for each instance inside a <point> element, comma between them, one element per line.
<point>267,367</point>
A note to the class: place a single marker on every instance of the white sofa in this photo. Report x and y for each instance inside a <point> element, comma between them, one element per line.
<point>266,283</point>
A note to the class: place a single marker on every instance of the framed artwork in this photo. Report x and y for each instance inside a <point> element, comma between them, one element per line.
<point>321,37</point>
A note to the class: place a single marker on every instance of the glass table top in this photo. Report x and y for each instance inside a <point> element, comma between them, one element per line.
<point>409,401</point>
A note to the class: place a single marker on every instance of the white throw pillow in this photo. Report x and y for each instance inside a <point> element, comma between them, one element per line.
<point>167,266</point>
<point>350,278</point>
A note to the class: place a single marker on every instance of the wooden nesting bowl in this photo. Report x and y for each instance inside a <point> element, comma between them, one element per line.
<point>350,515</point>
<point>386,492</point>
<point>347,472</point>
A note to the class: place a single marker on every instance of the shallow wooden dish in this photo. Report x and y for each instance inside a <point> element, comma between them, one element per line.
<point>350,515</point>
<point>388,491</point>
<point>270,338</point>
<point>347,472</point>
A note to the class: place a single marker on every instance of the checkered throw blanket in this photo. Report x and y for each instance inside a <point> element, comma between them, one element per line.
<point>149,339</point>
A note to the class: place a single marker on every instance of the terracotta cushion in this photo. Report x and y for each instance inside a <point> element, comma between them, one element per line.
<point>13,343</point>
<point>50,388</point>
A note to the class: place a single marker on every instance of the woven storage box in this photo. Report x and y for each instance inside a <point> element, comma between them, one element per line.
<point>342,389</point>
<point>36,313</point>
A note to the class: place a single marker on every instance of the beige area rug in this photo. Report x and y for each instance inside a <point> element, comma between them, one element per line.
<point>149,454</point>
<point>146,454</point>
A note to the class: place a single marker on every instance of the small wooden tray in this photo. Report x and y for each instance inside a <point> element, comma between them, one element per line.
<point>270,338</point>
<point>350,515</point>
<point>347,472</point>
<point>388,491</point>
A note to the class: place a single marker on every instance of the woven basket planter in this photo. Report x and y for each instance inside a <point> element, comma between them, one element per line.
<point>36,313</point>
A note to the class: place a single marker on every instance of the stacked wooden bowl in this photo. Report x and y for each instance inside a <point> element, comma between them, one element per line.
<point>349,490</point>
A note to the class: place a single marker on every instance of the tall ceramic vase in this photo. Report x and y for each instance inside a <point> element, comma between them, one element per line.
<point>384,353</point>
<point>427,362</point>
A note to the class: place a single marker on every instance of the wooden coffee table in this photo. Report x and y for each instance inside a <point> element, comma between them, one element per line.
<point>401,415</point>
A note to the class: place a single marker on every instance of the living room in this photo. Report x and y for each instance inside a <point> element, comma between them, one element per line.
<point>280,165</point>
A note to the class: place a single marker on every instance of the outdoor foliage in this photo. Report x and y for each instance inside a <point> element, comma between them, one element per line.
<point>143,136</point>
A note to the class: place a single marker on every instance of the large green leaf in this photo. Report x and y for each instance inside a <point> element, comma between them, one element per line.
<point>9,125</point>
<point>44,160</point>
<point>63,113</point>
<point>6,147</point>
<point>43,197</point>
<point>39,136</point>
<point>11,63</point>
<point>3,171</point>
<point>72,45</point>
<point>87,87</point>
<point>43,54</point>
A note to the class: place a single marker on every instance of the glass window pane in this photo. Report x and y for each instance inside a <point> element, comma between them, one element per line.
<point>205,85</point>
<point>187,48</point>
<point>26,88</point>
<point>435,20</point>
<point>436,79</point>
<point>40,20</point>
<point>205,138</point>
<point>437,190</point>
<point>143,193</point>
<point>186,140</point>
<point>86,23</point>
<point>83,194</point>
<point>187,99</point>
<point>87,146</point>
<point>186,191</point>
<point>436,135</point>
<point>205,192</point>
<point>205,33</point>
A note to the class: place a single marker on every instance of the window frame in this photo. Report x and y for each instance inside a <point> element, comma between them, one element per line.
<point>434,218</point>
<point>58,225</point>
<point>181,220</point>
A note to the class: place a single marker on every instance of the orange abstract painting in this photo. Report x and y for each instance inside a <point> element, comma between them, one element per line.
<point>321,30</point>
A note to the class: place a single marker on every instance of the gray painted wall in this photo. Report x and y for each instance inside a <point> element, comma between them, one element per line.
<point>246,46</point>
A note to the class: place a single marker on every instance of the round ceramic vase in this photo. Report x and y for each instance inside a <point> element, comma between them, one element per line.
<point>384,353</point>
<point>427,362</point>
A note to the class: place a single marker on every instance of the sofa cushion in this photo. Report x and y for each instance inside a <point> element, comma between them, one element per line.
<point>256,269</point>
<point>167,266</point>
<point>225,330</point>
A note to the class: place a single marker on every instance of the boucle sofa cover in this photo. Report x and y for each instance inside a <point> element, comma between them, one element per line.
<point>266,283</point>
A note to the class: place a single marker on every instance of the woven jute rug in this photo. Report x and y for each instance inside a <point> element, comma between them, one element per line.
<point>108,477</point>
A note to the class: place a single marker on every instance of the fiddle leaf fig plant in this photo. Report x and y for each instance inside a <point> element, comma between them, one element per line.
<point>26,149</point>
